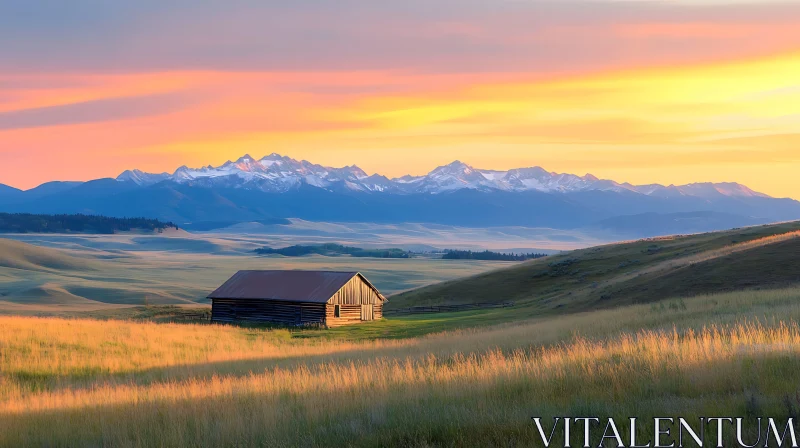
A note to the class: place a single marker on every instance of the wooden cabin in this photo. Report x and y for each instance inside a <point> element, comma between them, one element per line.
<point>297,298</point>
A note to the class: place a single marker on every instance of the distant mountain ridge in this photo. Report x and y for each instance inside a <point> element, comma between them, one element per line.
<point>275,174</point>
<point>274,188</point>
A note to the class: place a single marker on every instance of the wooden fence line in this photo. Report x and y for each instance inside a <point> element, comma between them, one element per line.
<point>446,308</point>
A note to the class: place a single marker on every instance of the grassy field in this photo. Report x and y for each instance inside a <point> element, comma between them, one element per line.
<point>86,382</point>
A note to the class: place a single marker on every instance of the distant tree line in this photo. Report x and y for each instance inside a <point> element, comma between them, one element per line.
<point>331,249</point>
<point>488,255</point>
<point>31,223</point>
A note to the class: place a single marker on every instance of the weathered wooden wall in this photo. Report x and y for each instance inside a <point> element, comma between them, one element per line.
<point>256,310</point>
<point>350,298</point>
<point>355,292</point>
<point>349,314</point>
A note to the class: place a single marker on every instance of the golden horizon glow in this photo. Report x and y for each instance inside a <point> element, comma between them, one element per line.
<point>725,121</point>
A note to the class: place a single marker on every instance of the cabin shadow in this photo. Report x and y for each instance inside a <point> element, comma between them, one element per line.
<point>201,370</point>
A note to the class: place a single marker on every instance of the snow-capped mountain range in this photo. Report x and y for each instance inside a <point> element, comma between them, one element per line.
<point>277,188</point>
<point>275,173</point>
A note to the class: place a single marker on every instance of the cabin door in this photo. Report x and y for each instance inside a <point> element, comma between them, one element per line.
<point>366,312</point>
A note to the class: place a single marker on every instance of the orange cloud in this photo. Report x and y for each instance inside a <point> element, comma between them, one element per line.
<point>713,121</point>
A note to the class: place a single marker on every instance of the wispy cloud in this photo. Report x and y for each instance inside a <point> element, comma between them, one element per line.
<point>103,110</point>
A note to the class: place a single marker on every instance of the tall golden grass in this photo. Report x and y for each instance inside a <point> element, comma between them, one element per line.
<point>83,382</point>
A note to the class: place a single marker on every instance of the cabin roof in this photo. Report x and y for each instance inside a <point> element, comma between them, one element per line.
<point>292,286</point>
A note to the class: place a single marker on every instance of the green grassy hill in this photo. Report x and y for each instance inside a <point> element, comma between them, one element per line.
<point>631,272</point>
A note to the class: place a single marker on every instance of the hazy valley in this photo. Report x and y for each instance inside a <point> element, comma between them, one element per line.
<point>85,272</point>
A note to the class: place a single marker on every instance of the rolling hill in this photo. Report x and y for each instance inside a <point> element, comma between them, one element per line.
<point>649,224</point>
<point>18,255</point>
<point>632,272</point>
<point>180,270</point>
<point>8,192</point>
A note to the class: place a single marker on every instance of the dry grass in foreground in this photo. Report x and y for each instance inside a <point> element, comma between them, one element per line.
<point>83,382</point>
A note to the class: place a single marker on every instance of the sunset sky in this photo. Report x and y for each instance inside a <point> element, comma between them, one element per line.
<point>638,91</point>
